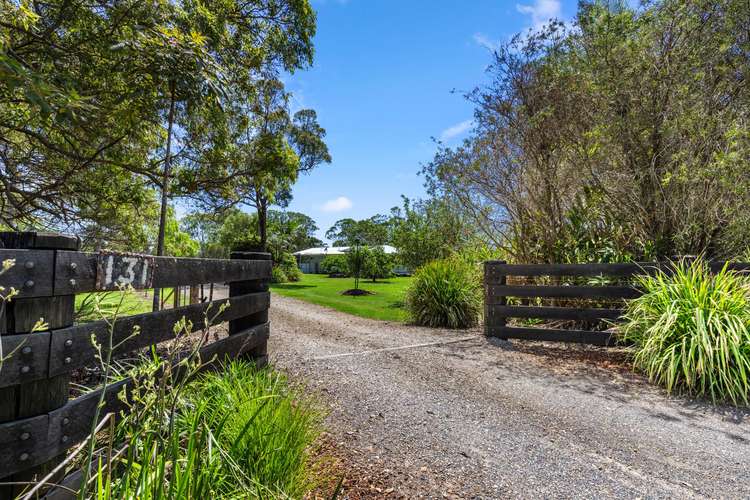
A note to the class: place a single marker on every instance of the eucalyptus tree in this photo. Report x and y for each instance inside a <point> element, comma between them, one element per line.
<point>261,153</point>
<point>69,109</point>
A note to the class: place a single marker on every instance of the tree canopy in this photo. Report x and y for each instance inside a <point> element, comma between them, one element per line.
<point>104,102</point>
<point>623,136</point>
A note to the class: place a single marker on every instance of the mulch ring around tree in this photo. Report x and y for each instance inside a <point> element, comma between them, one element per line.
<point>357,292</point>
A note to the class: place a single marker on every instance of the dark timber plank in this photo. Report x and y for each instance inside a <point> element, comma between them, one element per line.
<point>77,272</point>
<point>259,355</point>
<point>32,274</point>
<point>27,358</point>
<point>495,269</point>
<point>35,398</point>
<point>39,240</point>
<point>71,347</point>
<point>572,313</point>
<point>23,444</point>
<point>553,335</point>
<point>496,292</point>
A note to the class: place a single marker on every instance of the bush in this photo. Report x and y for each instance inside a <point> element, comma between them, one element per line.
<point>445,293</point>
<point>266,426</point>
<point>376,263</point>
<point>288,265</point>
<point>278,275</point>
<point>335,264</point>
<point>691,331</point>
<point>240,432</point>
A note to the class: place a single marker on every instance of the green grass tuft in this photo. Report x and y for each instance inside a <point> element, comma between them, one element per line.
<point>240,432</point>
<point>691,331</point>
<point>445,293</point>
<point>267,425</point>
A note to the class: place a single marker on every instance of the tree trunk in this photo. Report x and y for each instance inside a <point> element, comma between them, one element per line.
<point>165,188</point>
<point>263,222</point>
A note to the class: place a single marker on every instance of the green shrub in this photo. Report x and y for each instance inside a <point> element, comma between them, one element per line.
<point>240,432</point>
<point>376,263</point>
<point>266,425</point>
<point>691,331</point>
<point>278,275</point>
<point>288,265</point>
<point>445,293</point>
<point>335,264</point>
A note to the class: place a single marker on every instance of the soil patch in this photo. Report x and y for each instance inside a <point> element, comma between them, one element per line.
<point>356,292</point>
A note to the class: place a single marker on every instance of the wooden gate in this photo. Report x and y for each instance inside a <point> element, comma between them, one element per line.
<point>38,421</point>
<point>501,282</point>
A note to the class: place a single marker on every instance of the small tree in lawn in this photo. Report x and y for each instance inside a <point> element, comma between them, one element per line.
<point>376,263</point>
<point>356,260</point>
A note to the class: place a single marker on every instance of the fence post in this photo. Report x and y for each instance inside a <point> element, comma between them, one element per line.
<point>41,396</point>
<point>491,321</point>
<point>258,354</point>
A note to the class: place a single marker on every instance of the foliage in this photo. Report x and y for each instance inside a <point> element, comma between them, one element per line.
<point>376,263</point>
<point>291,231</point>
<point>94,94</point>
<point>241,432</point>
<point>691,331</point>
<point>286,269</point>
<point>261,152</point>
<point>373,231</point>
<point>278,275</point>
<point>427,230</point>
<point>238,229</point>
<point>445,293</point>
<point>335,264</point>
<point>220,232</point>
<point>386,303</point>
<point>608,139</point>
<point>238,433</point>
<point>204,228</point>
<point>178,243</point>
<point>355,258</point>
<point>266,425</point>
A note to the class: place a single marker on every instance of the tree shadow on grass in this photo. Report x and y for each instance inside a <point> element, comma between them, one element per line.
<point>292,286</point>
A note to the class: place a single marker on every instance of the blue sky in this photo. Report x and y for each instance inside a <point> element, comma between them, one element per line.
<point>381,84</point>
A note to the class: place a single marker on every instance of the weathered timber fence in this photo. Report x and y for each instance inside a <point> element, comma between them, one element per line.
<point>38,421</point>
<point>498,289</point>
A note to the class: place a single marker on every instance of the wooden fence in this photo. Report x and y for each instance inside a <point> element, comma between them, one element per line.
<point>499,288</point>
<point>38,420</point>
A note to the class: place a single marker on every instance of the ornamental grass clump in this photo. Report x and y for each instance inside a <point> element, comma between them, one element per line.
<point>691,331</point>
<point>445,293</point>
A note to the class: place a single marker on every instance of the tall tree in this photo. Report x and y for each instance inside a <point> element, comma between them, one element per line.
<point>370,232</point>
<point>266,151</point>
<point>613,138</point>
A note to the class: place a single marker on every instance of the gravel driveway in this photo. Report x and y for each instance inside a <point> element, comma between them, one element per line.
<point>494,419</point>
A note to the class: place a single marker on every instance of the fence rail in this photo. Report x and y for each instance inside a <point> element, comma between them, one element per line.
<point>497,292</point>
<point>38,421</point>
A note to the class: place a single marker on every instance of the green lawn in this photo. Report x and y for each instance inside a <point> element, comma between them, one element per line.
<point>387,303</point>
<point>134,302</point>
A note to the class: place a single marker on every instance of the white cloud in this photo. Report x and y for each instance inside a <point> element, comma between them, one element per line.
<point>541,11</point>
<point>484,41</point>
<point>456,130</point>
<point>337,204</point>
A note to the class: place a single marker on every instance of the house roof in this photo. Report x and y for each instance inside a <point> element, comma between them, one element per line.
<point>336,251</point>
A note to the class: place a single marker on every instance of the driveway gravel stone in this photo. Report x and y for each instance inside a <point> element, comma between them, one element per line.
<point>485,418</point>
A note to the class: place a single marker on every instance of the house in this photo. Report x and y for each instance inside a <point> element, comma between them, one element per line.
<point>309,260</point>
